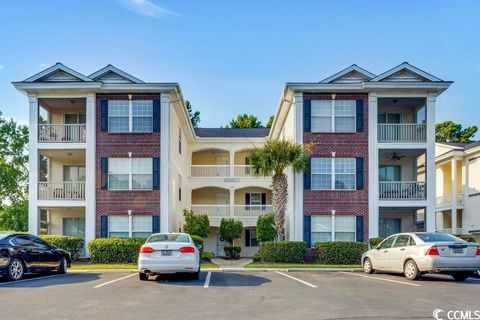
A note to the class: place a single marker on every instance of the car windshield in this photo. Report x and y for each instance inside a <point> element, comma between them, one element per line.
<point>437,237</point>
<point>169,237</point>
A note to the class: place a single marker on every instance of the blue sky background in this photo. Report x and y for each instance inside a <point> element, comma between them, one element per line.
<point>233,57</point>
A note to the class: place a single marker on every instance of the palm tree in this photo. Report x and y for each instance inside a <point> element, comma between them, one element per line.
<point>274,158</point>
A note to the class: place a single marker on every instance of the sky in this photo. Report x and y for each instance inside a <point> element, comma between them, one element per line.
<point>234,57</point>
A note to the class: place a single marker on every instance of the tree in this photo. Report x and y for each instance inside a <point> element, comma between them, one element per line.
<point>245,121</point>
<point>194,115</point>
<point>14,216</point>
<point>196,225</point>
<point>449,131</point>
<point>230,230</point>
<point>266,227</point>
<point>273,159</point>
<point>270,121</point>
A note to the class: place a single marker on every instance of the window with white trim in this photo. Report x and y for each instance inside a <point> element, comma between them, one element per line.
<point>130,115</point>
<point>118,226</point>
<point>130,174</point>
<point>333,115</point>
<point>333,173</point>
<point>129,226</point>
<point>255,199</point>
<point>141,226</point>
<point>333,228</point>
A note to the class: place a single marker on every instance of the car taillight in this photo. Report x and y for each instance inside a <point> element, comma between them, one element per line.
<point>187,249</point>
<point>433,251</point>
<point>478,251</point>
<point>146,250</point>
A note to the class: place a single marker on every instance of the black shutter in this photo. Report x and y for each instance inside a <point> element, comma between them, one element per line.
<point>264,198</point>
<point>307,115</point>
<point>104,115</point>
<point>104,226</point>
<point>359,173</point>
<point>247,198</point>
<point>307,176</point>
<point>104,176</point>
<point>359,229</point>
<point>307,229</point>
<point>359,115</point>
<point>155,224</point>
<point>156,173</point>
<point>156,116</point>
<point>247,238</point>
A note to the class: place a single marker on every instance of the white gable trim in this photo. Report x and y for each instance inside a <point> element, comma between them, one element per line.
<point>353,67</point>
<point>57,67</point>
<point>409,67</point>
<point>111,69</point>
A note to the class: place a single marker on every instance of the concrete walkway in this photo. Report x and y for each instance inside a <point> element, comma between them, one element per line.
<point>224,263</point>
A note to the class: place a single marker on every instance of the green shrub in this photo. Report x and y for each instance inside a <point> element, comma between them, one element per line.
<point>207,256</point>
<point>115,250</point>
<point>465,237</point>
<point>282,251</point>
<point>197,225</point>
<point>340,252</point>
<point>232,252</point>
<point>73,245</point>
<point>198,242</point>
<point>256,257</point>
<point>266,227</point>
<point>374,241</point>
<point>230,230</point>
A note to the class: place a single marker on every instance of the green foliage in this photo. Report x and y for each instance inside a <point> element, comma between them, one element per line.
<point>14,216</point>
<point>245,121</point>
<point>270,122</point>
<point>197,225</point>
<point>198,242</point>
<point>232,252</point>
<point>194,115</point>
<point>230,230</point>
<point>207,256</point>
<point>465,237</point>
<point>374,241</point>
<point>281,251</point>
<point>266,227</point>
<point>340,252</point>
<point>73,245</point>
<point>449,131</point>
<point>115,250</point>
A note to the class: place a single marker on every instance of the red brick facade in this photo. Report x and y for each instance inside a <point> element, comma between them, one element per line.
<point>118,145</point>
<point>345,145</point>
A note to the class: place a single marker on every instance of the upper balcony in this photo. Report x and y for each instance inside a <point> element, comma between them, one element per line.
<point>402,120</point>
<point>62,120</point>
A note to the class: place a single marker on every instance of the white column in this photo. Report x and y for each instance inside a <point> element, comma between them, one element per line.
<point>454,195</point>
<point>232,202</point>
<point>90,176</point>
<point>298,177</point>
<point>373,209</point>
<point>164,161</point>
<point>430,165</point>
<point>33,226</point>
<point>232,162</point>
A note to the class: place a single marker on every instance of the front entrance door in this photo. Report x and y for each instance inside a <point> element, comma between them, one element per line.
<point>220,245</point>
<point>74,227</point>
<point>389,226</point>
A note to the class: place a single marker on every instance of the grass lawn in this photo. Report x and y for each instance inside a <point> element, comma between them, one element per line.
<point>300,265</point>
<point>123,266</point>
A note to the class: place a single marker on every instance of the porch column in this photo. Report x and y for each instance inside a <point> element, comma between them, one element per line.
<point>232,161</point>
<point>232,203</point>
<point>298,187</point>
<point>90,206</point>
<point>430,165</point>
<point>453,211</point>
<point>33,226</point>
<point>373,210</point>
<point>164,162</point>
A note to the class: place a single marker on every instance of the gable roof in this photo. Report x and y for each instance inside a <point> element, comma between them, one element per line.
<point>58,73</point>
<point>405,72</point>
<point>111,73</point>
<point>231,132</point>
<point>351,74</point>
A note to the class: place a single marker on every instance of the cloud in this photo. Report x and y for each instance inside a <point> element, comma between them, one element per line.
<point>147,8</point>
<point>1,66</point>
<point>44,65</point>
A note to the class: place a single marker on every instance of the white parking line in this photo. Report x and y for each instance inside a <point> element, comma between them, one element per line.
<point>382,279</point>
<point>207,279</point>
<point>115,280</point>
<point>32,279</point>
<point>296,279</point>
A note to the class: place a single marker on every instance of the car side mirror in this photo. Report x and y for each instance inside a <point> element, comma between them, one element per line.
<point>375,247</point>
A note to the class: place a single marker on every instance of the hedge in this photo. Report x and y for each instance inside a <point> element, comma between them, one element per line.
<point>73,245</point>
<point>115,250</point>
<point>281,251</point>
<point>232,252</point>
<point>374,241</point>
<point>207,256</point>
<point>340,252</point>
<point>198,242</point>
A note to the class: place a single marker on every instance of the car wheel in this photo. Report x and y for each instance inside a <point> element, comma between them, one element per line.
<point>410,270</point>
<point>461,276</point>
<point>367,266</point>
<point>143,276</point>
<point>62,268</point>
<point>16,269</point>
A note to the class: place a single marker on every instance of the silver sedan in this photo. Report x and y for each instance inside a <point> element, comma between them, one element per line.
<point>414,254</point>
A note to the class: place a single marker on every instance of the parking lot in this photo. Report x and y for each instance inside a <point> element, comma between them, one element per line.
<point>234,295</point>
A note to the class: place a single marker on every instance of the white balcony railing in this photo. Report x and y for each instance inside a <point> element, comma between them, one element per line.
<point>446,200</point>
<point>243,171</point>
<point>219,211</point>
<point>61,133</point>
<point>249,211</point>
<point>210,170</point>
<point>402,132</point>
<point>215,211</point>
<point>62,190</point>
<point>402,190</point>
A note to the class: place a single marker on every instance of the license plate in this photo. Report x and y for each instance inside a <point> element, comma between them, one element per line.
<point>458,251</point>
<point>166,253</point>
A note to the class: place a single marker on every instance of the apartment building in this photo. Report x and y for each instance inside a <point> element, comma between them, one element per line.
<point>111,155</point>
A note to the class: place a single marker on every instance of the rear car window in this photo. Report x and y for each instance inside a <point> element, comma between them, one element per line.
<point>437,237</point>
<point>169,237</point>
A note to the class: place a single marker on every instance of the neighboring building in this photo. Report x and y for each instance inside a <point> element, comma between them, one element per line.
<point>458,188</point>
<point>111,155</point>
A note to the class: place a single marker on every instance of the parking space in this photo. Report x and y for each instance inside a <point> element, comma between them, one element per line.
<point>235,295</point>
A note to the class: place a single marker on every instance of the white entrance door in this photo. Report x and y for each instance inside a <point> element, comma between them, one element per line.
<point>220,245</point>
<point>222,204</point>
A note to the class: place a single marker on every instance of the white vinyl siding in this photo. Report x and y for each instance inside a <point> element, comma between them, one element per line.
<point>130,174</point>
<point>129,226</point>
<point>333,173</point>
<point>333,115</point>
<point>130,115</point>
<point>333,228</point>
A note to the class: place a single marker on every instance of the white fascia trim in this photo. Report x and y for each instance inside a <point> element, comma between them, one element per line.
<point>31,86</point>
<point>279,114</point>
<point>61,146</point>
<point>113,69</point>
<point>164,87</point>
<point>56,67</point>
<point>315,86</point>
<point>353,67</point>
<point>409,67</point>
<point>236,139</point>
<point>407,85</point>
<point>449,146</point>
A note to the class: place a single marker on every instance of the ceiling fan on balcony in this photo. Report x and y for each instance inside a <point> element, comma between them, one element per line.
<point>395,157</point>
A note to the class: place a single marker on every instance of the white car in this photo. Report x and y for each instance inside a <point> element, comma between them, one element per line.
<point>168,253</point>
<point>414,254</point>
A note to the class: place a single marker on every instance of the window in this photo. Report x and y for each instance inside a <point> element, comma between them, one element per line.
<point>129,226</point>
<point>437,237</point>
<point>389,118</point>
<point>130,115</point>
<point>118,226</point>
<point>179,188</point>
<point>402,241</point>
<point>183,238</point>
<point>333,115</point>
<point>255,199</point>
<point>130,174</point>
<point>141,226</point>
<point>390,173</point>
<point>74,173</point>
<point>251,234</point>
<point>333,173</point>
<point>387,243</point>
<point>179,140</point>
<point>333,228</point>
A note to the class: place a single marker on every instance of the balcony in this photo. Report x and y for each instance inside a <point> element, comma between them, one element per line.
<point>219,211</point>
<point>61,190</point>
<point>446,200</point>
<point>63,133</point>
<point>402,132</point>
<point>210,170</point>
<point>402,190</point>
